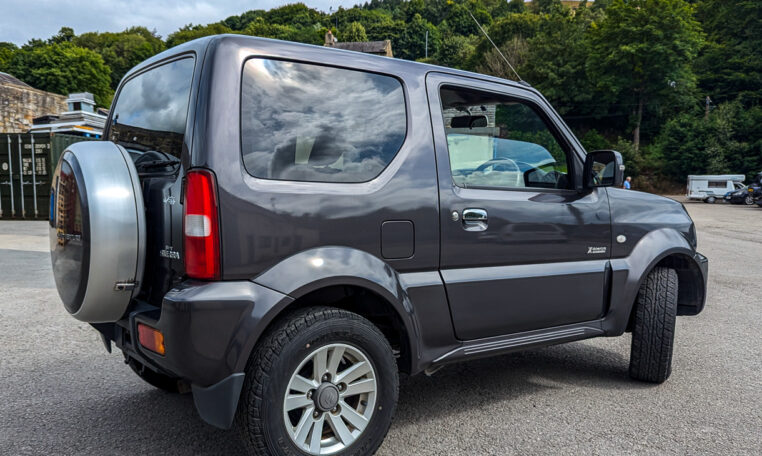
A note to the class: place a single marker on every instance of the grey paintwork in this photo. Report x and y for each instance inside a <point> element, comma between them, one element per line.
<point>524,280</point>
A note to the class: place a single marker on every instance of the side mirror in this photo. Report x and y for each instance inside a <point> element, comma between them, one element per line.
<point>604,168</point>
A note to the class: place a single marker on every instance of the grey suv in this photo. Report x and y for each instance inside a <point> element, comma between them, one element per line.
<point>281,229</point>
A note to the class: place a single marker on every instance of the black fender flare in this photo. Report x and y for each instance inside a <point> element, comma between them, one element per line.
<point>321,267</point>
<point>629,273</point>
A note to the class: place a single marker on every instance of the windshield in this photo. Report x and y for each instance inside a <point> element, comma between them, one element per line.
<point>152,109</point>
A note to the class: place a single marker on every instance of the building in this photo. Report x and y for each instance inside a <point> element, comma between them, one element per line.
<point>383,48</point>
<point>21,103</point>
<point>81,118</point>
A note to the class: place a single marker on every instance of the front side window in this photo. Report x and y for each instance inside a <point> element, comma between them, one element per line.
<point>152,109</point>
<point>305,122</point>
<point>499,142</point>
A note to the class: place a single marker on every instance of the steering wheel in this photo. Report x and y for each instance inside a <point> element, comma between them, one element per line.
<point>499,164</point>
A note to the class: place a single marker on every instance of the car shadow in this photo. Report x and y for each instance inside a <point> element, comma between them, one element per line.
<point>108,420</point>
<point>482,382</point>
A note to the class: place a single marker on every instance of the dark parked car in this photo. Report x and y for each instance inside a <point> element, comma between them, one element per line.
<point>744,194</point>
<point>282,228</point>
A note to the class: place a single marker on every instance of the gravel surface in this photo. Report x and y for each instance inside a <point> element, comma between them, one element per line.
<point>62,393</point>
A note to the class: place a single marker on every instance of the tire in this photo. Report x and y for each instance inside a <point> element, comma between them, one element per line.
<point>653,330</point>
<point>748,200</point>
<point>710,200</point>
<point>155,379</point>
<point>279,358</point>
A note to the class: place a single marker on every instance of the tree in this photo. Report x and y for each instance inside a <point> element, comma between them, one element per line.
<point>640,53</point>
<point>239,23</point>
<point>65,35</point>
<point>728,140</point>
<point>355,32</point>
<point>62,68</point>
<point>507,31</point>
<point>558,56</point>
<point>516,6</point>
<point>6,52</point>
<point>411,44</point>
<point>547,6</point>
<point>455,51</point>
<point>123,50</point>
<point>192,32</point>
<point>730,65</point>
<point>310,34</point>
<point>297,15</point>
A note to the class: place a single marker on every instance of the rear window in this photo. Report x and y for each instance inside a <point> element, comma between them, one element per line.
<point>314,123</point>
<point>152,109</point>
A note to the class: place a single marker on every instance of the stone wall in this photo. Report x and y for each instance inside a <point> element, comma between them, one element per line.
<point>19,105</point>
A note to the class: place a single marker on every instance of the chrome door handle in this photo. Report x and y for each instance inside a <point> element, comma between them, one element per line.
<point>474,219</point>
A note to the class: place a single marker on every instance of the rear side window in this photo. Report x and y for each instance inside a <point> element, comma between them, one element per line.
<point>305,122</point>
<point>152,109</point>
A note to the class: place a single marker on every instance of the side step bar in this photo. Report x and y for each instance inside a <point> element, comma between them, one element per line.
<point>480,348</point>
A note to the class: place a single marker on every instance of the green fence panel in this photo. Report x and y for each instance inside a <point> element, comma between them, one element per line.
<point>27,163</point>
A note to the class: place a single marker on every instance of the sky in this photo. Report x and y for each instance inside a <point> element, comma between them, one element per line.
<point>21,20</point>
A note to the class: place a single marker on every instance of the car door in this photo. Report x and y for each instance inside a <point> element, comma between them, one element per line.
<point>522,247</point>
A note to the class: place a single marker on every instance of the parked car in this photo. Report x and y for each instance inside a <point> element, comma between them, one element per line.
<point>282,228</point>
<point>743,195</point>
<point>710,188</point>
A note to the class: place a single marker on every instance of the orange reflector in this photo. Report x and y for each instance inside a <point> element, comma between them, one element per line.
<point>151,338</point>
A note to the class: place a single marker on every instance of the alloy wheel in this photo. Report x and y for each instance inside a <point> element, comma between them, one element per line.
<point>330,399</point>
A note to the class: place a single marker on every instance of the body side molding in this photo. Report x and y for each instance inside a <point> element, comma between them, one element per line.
<point>505,344</point>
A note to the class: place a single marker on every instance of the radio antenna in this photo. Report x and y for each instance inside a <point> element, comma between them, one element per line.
<point>495,45</point>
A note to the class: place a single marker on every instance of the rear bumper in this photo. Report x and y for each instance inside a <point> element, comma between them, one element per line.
<point>209,331</point>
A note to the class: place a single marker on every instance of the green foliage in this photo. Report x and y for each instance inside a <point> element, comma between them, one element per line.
<point>612,68</point>
<point>559,54</point>
<point>122,51</point>
<point>191,32</point>
<point>411,43</point>
<point>6,52</point>
<point>297,15</point>
<point>62,68</point>
<point>311,34</point>
<point>592,140</point>
<point>455,50</point>
<point>640,53</point>
<point>354,32</point>
<point>516,6</point>
<point>239,23</point>
<point>729,140</point>
<point>730,65</point>
<point>547,6</point>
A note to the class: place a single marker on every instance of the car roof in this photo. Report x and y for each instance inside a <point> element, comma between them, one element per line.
<point>200,45</point>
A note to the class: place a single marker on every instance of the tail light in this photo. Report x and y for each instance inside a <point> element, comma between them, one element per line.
<point>201,226</point>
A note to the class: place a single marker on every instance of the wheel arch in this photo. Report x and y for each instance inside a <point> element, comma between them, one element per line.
<point>664,247</point>
<point>345,278</point>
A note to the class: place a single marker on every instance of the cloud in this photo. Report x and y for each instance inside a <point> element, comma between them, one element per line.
<point>22,20</point>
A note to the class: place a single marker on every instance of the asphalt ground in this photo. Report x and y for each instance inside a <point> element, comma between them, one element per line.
<point>62,393</point>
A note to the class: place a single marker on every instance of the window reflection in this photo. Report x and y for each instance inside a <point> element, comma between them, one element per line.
<point>152,109</point>
<point>314,123</point>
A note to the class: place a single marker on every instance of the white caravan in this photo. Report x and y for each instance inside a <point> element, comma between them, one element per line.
<point>711,188</point>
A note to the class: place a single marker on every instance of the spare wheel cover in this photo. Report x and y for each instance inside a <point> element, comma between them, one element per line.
<point>97,230</point>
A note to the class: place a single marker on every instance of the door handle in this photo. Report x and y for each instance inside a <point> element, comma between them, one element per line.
<point>474,219</point>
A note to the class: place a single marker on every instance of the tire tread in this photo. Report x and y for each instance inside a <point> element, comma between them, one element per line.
<point>654,326</point>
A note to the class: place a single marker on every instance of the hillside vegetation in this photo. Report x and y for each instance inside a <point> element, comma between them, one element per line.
<point>675,85</point>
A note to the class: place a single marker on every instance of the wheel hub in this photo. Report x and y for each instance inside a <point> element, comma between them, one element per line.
<point>326,397</point>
